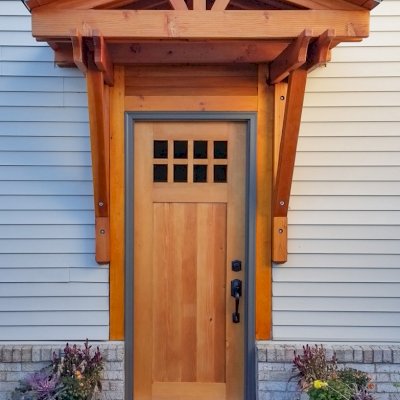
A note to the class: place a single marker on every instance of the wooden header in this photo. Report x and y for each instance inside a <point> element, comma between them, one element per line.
<point>125,25</point>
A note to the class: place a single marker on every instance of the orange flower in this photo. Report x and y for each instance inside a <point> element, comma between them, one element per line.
<point>78,375</point>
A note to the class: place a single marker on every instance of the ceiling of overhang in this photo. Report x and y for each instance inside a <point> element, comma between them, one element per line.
<point>233,4</point>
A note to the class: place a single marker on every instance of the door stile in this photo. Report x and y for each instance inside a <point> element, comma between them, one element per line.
<point>143,277</point>
<point>236,243</point>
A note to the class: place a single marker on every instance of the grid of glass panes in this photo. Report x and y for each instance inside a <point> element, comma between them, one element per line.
<point>190,161</point>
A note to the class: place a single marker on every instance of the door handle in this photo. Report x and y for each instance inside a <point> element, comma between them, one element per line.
<point>236,293</point>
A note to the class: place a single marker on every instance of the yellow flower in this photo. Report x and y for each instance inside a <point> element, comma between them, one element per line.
<point>320,384</point>
<point>78,375</point>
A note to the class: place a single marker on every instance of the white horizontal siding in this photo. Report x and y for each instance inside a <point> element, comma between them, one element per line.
<point>51,288</point>
<point>342,278</point>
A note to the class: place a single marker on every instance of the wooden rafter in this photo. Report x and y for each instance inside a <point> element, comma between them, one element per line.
<point>179,5</point>
<point>325,4</point>
<point>280,4</point>
<point>220,5</point>
<point>293,57</point>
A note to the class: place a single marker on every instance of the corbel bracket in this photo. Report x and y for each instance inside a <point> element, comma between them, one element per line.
<point>287,132</point>
<point>91,57</point>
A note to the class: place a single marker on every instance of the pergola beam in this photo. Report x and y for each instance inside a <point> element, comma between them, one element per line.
<point>293,57</point>
<point>118,25</point>
<point>319,52</point>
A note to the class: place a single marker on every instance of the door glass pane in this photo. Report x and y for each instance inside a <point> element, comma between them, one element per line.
<point>200,149</point>
<point>180,149</point>
<point>221,149</point>
<point>160,149</point>
<point>200,173</point>
<point>180,173</point>
<point>220,173</point>
<point>160,173</point>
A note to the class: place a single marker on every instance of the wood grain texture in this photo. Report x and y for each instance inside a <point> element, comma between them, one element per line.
<point>265,129</point>
<point>288,146</point>
<point>196,103</point>
<point>185,391</point>
<point>117,215</point>
<point>143,261</point>
<point>279,239</point>
<point>98,104</point>
<point>284,4</point>
<point>156,24</point>
<point>193,340</point>
<point>293,57</point>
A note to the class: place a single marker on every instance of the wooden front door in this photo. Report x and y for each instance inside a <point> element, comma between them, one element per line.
<point>189,225</point>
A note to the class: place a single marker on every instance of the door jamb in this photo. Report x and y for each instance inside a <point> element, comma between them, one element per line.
<point>251,135</point>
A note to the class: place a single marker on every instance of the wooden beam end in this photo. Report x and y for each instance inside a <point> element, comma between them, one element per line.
<point>102,240</point>
<point>292,58</point>
<point>279,240</point>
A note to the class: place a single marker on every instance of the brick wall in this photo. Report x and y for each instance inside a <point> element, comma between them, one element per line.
<point>18,360</point>
<point>382,363</point>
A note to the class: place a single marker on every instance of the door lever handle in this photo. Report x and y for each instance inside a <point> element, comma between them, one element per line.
<point>236,293</point>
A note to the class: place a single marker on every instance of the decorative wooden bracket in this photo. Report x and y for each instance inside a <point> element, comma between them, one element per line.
<point>318,54</point>
<point>292,58</point>
<point>91,57</point>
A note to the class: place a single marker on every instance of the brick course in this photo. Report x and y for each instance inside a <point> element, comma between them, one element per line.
<point>275,368</point>
<point>16,361</point>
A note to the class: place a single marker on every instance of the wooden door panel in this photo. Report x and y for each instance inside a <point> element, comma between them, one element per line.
<point>189,259</point>
<point>186,235</point>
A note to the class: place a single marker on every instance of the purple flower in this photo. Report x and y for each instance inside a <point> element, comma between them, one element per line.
<point>43,384</point>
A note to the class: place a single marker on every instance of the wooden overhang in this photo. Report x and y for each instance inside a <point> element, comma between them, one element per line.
<point>291,37</point>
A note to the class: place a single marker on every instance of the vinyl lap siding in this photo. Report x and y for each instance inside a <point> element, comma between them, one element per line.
<point>50,285</point>
<point>342,280</point>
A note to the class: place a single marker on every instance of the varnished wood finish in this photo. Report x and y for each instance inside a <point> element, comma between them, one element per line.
<point>185,344</point>
<point>117,216</point>
<point>280,237</point>
<point>288,145</point>
<point>293,57</point>
<point>155,24</point>
<point>286,160</point>
<point>191,88</point>
<point>263,221</point>
<point>98,104</point>
<point>79,53</point>
<point>284,4</point>
<point>319,52</point>
<point>102,59</point>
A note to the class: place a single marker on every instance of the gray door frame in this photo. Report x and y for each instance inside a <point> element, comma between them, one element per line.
<point>249,341</point>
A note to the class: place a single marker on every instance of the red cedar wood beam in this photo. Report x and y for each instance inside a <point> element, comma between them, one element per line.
<point>102,59</point>
<point>287,154</point>
<point>293,57</point>
<point>120,25</point>
<point>79,52</point>
<point>232,52</point>
<point>99,139</point>
<point>319,52</point>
